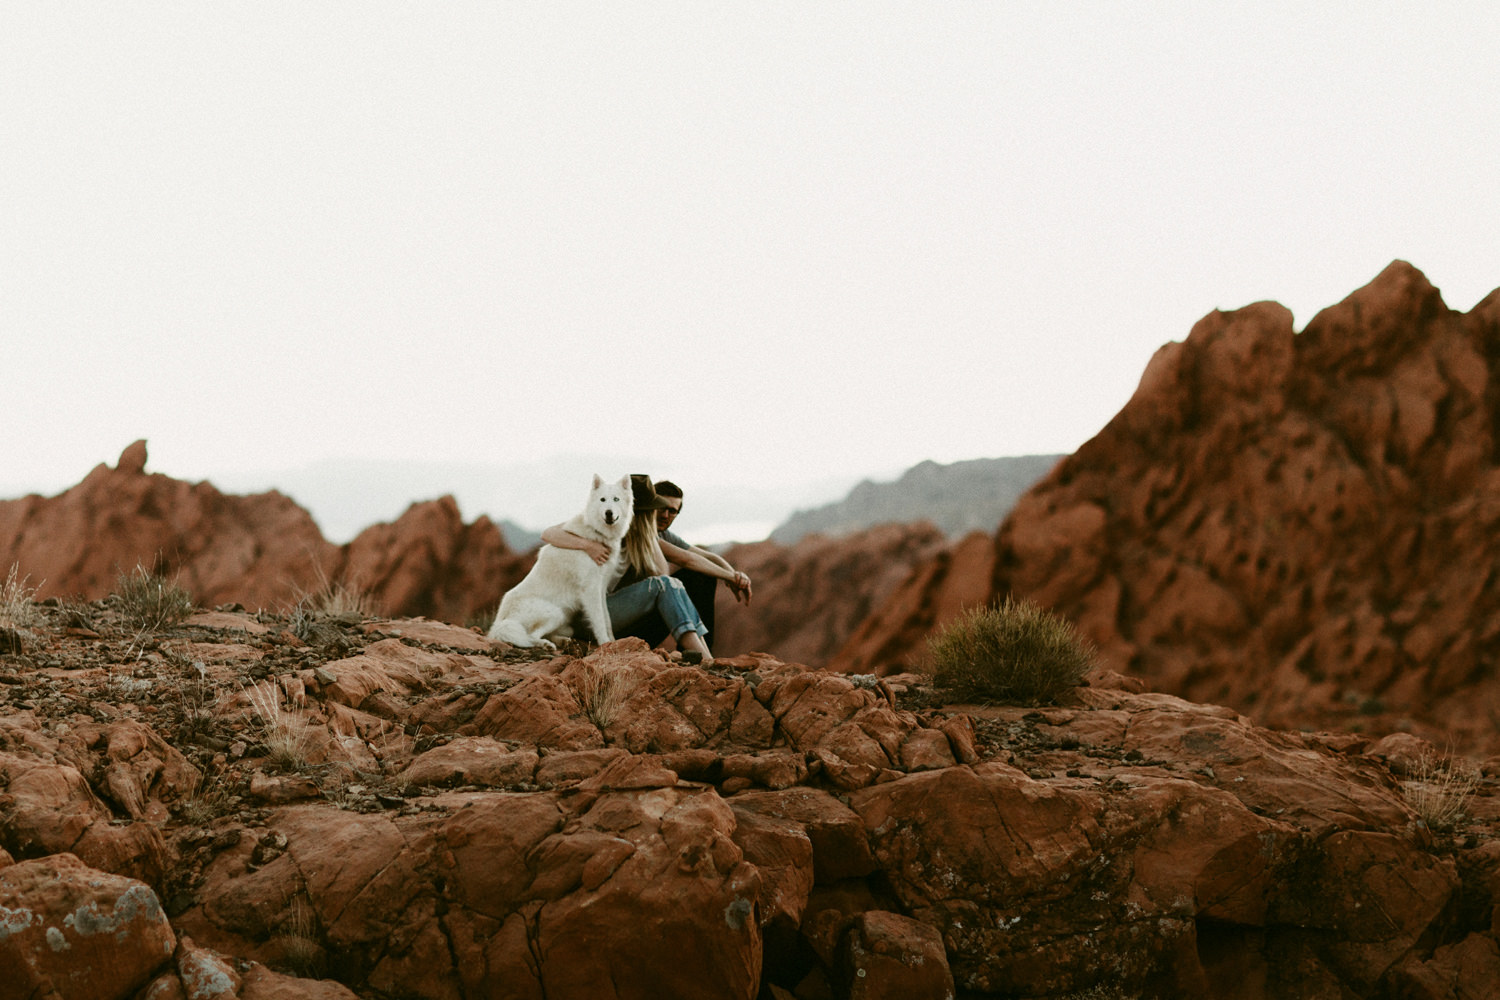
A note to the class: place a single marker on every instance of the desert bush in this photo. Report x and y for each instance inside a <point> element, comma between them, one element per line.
<point>1011,652</point>
<point>1439,790</point>
<point>296,941</point>
<point>210,800</point>
<point>17,607</point>
<point>285,745</point>
<point>192,694</point>
<point>601,694</point>
<point>338,597</point>
<point>149,601</point>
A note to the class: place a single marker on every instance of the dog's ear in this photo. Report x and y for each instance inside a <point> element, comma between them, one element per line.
<point>598,482</point>
<point>625,484</point>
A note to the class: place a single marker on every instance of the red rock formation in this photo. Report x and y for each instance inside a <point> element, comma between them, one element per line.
<point>956,578</point>
<point>260,551</point>
<point>1301,526</point>
<point>476,823</point>
<point>809,597</point>
<point>428,562</point>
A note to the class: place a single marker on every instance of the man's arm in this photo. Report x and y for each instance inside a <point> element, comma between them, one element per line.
<point>695,558</point>
<point>560,537</point>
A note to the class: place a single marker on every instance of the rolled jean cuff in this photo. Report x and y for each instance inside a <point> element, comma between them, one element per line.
<point>662,594</point>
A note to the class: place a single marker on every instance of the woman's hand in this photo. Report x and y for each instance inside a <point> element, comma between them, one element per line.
<point>741,587</point>
<point>597,551</point>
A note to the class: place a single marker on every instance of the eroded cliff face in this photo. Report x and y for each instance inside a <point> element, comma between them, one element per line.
<point>1302,526</point>
<point>261,550</point>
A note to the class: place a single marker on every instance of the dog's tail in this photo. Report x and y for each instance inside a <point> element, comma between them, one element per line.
<point>511,631</point>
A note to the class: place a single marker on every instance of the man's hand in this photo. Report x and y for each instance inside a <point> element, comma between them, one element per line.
<point>741,587</point>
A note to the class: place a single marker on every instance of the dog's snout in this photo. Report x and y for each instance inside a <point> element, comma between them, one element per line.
<point>609,517</point>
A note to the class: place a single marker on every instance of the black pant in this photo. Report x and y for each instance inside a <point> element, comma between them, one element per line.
<point>700,589</point>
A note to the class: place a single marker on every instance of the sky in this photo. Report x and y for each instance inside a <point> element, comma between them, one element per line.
<point>762,248</point>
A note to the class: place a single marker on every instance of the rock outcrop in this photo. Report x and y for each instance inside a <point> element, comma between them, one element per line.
<point>1301,526</point>
<point>260,551</point>
<point>397,807</point>
<point>811,596</point>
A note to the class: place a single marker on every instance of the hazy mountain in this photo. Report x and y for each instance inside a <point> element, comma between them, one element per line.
<point>959,498</point>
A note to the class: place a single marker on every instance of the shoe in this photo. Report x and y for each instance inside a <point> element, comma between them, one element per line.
<point>692,657</point>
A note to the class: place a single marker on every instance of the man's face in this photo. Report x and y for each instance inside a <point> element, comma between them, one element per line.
<point>666,515</point>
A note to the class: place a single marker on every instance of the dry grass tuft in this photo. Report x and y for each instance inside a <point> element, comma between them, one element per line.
<point>338,597</point>
<point>297,940</point>
<point>210,800</point>
<point>285,747</point>
<point>17,607</point>
<point>601,694</point>
<point>149,602</point>
<point>1012,652</point>
<point>1439,790</point>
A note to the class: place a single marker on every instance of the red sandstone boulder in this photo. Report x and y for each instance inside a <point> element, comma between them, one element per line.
<point>630,893</point>
<point>429,563</point>
<point>70,932</point>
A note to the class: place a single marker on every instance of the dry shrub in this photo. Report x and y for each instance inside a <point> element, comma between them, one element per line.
<point>296,940</point>
<point>210,800</point>
<point>150,602</point>
<point>17,605</point>
<point>1439,790</point>
<point>1011,652</point>
<point>331,598</point>
<point>600,693</point>
<point>285,746</point>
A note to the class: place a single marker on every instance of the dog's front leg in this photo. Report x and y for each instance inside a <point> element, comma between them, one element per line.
<point>596,610</point>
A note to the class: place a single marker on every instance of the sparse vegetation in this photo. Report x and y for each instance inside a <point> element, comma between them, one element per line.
<point>209,801</point>
<point>1439,790</point>
<point>297,941</point>
<point>150,602</point>
<point>312,626</point>
<point>193,696</point>
<point>17,607</point>
<point>331,598</point>
<point>285,747</point>
<point>1011,652</point>
<point>600,693</point>
<point>483,618</point>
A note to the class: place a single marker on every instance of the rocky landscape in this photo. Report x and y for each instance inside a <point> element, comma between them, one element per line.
<point>328,805</point>
<point>1300,526</point>
<point>1281,781</point>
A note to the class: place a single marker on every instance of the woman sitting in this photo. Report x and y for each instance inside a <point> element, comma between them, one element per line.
<point>646,586</point>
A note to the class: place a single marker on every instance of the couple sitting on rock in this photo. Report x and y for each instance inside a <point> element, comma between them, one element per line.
<point>650,601</point>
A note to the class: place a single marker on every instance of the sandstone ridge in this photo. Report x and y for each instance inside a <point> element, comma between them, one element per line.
<point>1300,526</point>
<point>268,806</point>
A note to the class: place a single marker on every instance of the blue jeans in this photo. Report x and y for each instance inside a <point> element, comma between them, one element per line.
<point>662,594</point>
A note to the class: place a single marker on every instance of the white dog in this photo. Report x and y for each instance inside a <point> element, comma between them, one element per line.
<point>566,581</point>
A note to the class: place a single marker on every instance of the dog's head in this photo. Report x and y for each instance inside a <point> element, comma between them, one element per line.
<point>611,504</point>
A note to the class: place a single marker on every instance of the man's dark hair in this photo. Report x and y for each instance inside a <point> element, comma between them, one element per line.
<point>667,488</point>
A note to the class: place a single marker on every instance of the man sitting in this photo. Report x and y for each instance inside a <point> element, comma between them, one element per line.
<point>701,588</point>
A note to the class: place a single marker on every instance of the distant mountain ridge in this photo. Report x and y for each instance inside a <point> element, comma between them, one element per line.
<point>960,497</point>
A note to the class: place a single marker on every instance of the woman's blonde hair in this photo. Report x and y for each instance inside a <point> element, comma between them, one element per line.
<point>642,547</point>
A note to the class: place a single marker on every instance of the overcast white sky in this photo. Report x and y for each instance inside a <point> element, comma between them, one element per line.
<point>769,242</point>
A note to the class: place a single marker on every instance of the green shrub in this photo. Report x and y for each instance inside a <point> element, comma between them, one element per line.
<point>1012,652</point>
<point>148,601</point>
